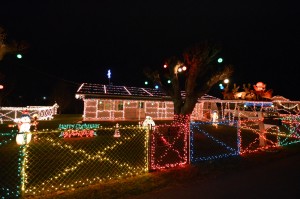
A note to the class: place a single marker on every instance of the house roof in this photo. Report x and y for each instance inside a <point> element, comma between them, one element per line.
<point>89,90</point>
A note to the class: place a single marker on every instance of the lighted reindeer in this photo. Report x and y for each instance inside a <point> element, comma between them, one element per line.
<point>230,95</point>
<point>249,93</point>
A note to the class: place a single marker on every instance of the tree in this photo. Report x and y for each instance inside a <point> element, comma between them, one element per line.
<point>202,73</point>
<point>7,47</point>
<point>63,95</point>
<point>8,87</point>
<point>10,47</point>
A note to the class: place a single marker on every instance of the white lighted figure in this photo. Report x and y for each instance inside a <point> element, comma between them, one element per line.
<point>148,121</point>
<point>24,123</point>
<point>215,118</point>
<point>117,131</point>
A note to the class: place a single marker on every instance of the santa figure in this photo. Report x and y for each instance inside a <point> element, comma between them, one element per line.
<point>24,123</point>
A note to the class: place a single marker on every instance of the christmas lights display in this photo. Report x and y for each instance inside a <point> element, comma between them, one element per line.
<point>292,134</point>
<point>219,144</point>
<point>24,134</point>
<point>258,92</point>
<point>85,160</point>
<point>112,103</point>
<point>42,112</point>
<point>78,130</point>
<point>148,122</point>
<point>10,136</point>
<point>216,129</point>
<point>169,146</point>
<point>215,118</point>
<point>11,162</point>
<point>117,131</point>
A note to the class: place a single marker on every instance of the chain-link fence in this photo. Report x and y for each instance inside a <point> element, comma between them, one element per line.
<point>169,146</point>
<point>211,141</point>
<point>51,163</point>
<point>10,165</point>
<point>66,159</point>
<point>290,130</point>
<point>255,135</point>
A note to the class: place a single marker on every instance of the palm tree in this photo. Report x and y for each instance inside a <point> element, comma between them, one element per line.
<point>202,72</point>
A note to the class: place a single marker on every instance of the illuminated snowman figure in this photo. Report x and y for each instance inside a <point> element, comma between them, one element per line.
<point>24,135</point>
<point>148,122</point>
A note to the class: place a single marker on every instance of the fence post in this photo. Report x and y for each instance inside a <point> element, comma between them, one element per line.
<point>262,138</point>
<point>189,144</point>
<point>238,131</point>
<point>150,134</point>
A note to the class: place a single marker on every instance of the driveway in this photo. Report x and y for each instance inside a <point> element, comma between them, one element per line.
<point>279,179</point>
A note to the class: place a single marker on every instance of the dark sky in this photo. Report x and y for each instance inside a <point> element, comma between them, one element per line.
<point>78,41</point>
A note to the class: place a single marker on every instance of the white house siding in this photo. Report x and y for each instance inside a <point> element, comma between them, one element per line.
<point>118,110</point>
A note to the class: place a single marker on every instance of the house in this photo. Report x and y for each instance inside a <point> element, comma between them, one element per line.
<point>120,103</point>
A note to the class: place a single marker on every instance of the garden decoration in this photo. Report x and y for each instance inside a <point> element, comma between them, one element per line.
<point>148,122</point>
<point>258,92</point>
<point>117,131</point>
<point>214,117</point>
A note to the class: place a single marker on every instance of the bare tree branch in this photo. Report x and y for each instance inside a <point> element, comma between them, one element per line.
<point>202,73</point>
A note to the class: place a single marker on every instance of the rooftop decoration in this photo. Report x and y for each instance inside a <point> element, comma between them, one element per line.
<point>258,93</point>
<point>89,90</point>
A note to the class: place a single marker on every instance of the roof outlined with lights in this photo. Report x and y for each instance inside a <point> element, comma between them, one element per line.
<point>90,90</point>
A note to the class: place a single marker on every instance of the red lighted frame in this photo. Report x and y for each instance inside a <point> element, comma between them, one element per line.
<point>158,140</point>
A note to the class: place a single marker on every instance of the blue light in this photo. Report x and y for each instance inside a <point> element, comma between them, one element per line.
<point>156,87</point>
<point>221,86</point>
<point>146,83</point>
<point>258,104</point>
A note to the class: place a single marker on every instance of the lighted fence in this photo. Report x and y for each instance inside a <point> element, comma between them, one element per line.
<point>255,136</point>
<point>10,165</point>
<point>290,131</point>
<point>42,112</point>
<point>169,146</point>
<point>52,163</point>
<point>67,158</point>
<point>210,141</point>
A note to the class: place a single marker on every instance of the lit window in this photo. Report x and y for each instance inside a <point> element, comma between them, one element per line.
<point>141,105</point>
<point>120,106</point>
<point>162,105</point>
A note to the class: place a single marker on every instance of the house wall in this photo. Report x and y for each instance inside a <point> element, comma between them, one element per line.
<point>110,110</point>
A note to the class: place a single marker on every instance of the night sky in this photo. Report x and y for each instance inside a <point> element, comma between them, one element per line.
<point>78,41</point>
